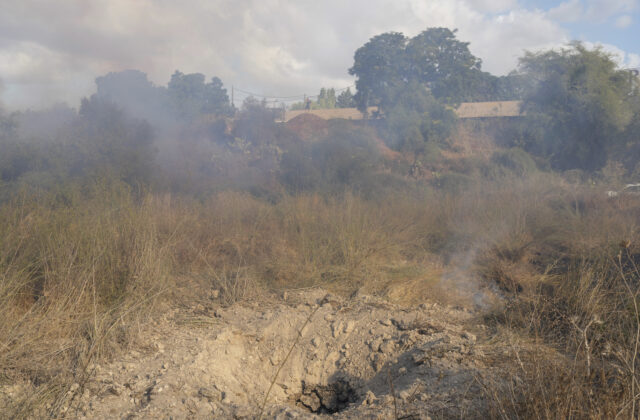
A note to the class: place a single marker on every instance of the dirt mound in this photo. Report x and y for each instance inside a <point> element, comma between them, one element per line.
<point>308,126</point>
<point>357,358</point>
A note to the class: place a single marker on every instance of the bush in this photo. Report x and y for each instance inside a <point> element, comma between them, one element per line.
<point>516,161</point>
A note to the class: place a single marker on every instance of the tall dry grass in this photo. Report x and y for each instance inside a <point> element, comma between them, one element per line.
<point>82,270</point>
<point>569,327</point>
<point>75,280</point>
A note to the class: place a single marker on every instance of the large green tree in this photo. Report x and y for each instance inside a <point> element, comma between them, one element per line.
<point>578,106</point>
<point>191,96</point>
<point>435,59</point>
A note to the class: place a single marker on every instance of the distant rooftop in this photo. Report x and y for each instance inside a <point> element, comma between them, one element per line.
<point>330,114</point>
<point>465,110</point>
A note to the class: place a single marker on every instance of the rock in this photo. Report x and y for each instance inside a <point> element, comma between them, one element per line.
<point>378,362</point>
<point>386,322</point>
<point>336,327</point>
<point>369,398</point>
<point>402,370</point>
<point>310,401</point>
<point>387,347</point>
<point>404,395</point>
<point>469,336</point>
<point>315,342</point>
<point>349,327</point>
<point>374,345</point>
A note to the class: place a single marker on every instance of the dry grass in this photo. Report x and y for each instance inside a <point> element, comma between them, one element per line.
<point>81,272</point>
<point>570,326</point>
<point>75,279</point>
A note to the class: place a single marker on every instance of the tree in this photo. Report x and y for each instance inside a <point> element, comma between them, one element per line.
<point>578,106</point>
<point>136,94</point>
<point>191,96</point>
<point>417,122</point>
<point>327,98</point>
<point>104,138</point>
<point>379,67</point>
<point>216,99</point>
<point>435,59</point>
<point>8,126</point>
<point>345,99</point>
<point>446,65</point>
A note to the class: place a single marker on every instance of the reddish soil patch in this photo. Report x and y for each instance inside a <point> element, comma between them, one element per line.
<point>308,126</point>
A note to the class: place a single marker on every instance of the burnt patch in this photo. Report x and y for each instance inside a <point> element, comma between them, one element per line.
<point>326,399</point>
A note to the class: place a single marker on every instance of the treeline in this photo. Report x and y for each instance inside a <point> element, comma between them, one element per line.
<point>581,112</point>
<point>327,99</point>
<point>581,109</point>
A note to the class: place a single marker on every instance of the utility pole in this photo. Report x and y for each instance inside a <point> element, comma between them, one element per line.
<point>233,103</point>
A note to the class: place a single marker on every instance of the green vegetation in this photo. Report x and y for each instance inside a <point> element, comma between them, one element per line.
<point>148,193</point>
<point>579,108</point>
<point>327,99</point>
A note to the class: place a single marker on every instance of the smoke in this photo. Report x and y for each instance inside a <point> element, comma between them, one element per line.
<point>1,94</point>
<point>270,47</point>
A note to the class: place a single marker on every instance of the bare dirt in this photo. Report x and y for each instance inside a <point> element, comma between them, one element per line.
<point>359,357</point>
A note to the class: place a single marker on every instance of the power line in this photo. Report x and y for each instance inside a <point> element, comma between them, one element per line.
<point>292,97</point>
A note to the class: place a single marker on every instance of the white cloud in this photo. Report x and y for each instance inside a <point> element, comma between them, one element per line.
<point>623,21</point>
<point>569,11</point>
<point>592,10</point>
<point>600,10</point>
<point>624,59</point>
<point>52,51</point>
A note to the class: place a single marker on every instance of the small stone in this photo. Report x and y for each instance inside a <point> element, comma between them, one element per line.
<point>311,401</point>
<point>336,327</point>
<point>350,326</point>
<point>402,370</point>
<point>369,398</point>
<point>388,346</point>
<point>378,362</point>
<point>469,336</point>
<point>386,322</point>
<point>315,342</point>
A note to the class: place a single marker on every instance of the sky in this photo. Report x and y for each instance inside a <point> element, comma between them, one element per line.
<point>52,51</point>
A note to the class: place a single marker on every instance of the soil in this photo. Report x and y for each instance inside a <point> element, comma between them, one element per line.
<point>308,126</point>
<point>343,358</point>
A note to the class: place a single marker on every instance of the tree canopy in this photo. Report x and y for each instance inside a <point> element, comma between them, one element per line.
<point>435,59</point>
<point>578,105</point>
<point>191,96</point>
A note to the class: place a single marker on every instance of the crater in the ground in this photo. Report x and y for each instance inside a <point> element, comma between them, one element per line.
<point>326,399</point>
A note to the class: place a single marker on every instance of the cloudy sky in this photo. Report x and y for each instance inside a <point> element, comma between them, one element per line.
<point>51,51</point>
